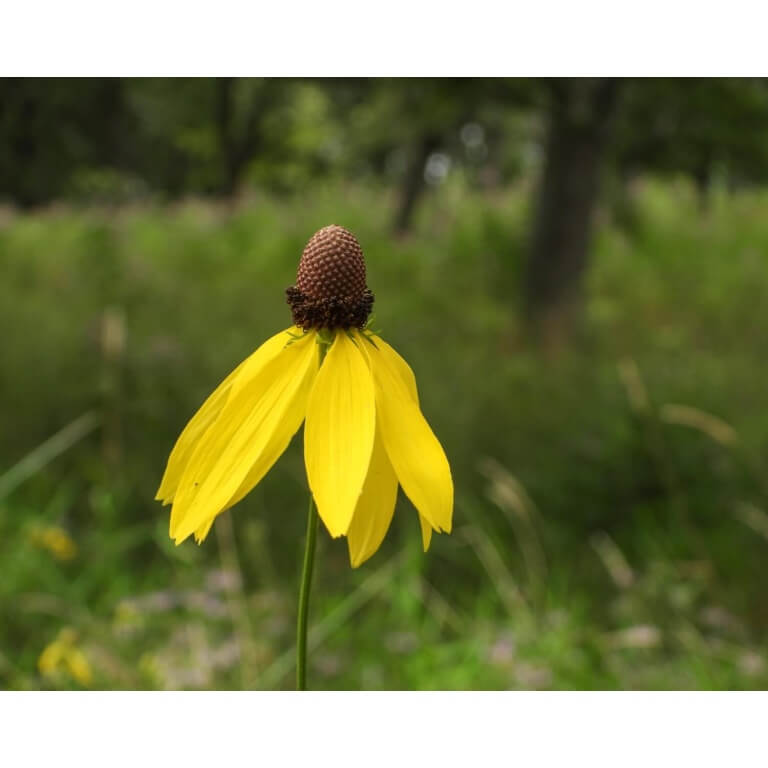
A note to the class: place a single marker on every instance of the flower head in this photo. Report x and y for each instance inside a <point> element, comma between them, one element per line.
<point>62,657</point>
<point>56,540</point>
<point>364,433</point>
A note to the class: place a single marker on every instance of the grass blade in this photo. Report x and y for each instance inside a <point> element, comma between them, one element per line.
<point>46,452</point>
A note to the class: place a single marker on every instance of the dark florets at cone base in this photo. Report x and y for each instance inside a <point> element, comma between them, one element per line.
<point>330,290</point>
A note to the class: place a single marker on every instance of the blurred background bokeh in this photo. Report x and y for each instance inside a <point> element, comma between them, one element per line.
<point>577,271</point>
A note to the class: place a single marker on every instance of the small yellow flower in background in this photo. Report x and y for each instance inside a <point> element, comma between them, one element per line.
<point>364,433</point>
<point>63,657</point>
<point>56,540</point>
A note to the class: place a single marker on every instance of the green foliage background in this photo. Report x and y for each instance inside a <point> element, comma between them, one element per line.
<point>603,539</point>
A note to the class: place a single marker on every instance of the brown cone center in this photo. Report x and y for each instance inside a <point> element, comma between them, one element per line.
<point>332,265</point>
<point>330,290</point>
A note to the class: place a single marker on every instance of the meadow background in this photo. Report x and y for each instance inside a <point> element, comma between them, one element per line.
<point>577,271</point>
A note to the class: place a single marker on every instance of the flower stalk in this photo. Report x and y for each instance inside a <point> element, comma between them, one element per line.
<point>304,591</point>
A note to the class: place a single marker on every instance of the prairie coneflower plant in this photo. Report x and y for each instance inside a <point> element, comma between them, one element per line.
<point>364,431</point>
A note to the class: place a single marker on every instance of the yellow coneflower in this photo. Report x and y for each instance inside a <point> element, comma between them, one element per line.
<point>56,540</point>
<point>63,657</point>
<point>364,431</point>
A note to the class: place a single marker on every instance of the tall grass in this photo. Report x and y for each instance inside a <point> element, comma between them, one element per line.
<point>610,529</point>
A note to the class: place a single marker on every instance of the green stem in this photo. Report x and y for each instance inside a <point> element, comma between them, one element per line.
<point>306,577</point>
<point>306,586</point>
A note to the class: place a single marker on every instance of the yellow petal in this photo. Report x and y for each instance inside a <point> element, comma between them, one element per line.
<point>375,508</point>
<point>406,374</point>
<point>203,530</point>
<point>262,414</point>
<point>270,349</point>
<point>399,365</point>
<point>416,455</point>
<point>208,413</point>
<point>338,435</point>
<point>196,427</point>
<point>426,532</point>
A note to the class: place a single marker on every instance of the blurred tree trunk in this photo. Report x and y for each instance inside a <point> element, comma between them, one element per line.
<point>236,145</point>
<point>579,119</point>
<point>413,182</point>
<point>224,122</point>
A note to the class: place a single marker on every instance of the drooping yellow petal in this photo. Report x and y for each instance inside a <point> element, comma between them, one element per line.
<point>408,378</point>
<point>375,507</point>
<point>406,374</point>
<point>416,455</point>
<point>426,532</point>
<point>338,435</point>
<point>203,530</point>
<point>208,413</point>
<point>399,365</point>
<point>198,424</point>
<point>263,412</point>
<point>270,349</point>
